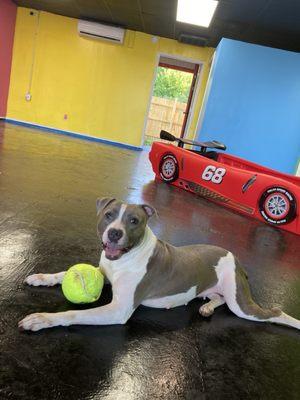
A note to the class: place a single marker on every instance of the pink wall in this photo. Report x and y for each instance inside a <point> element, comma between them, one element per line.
<point>8,11</point>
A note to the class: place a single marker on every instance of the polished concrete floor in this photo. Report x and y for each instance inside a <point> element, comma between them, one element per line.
<point>48,188</point>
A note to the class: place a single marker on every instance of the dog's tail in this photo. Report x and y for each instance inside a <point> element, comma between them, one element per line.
<point>241,303</point>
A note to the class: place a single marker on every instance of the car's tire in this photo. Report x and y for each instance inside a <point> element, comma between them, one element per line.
<point>168,168</point>
<point>278,206</point>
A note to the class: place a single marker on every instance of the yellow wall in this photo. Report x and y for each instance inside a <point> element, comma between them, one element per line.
<point>103,88</point>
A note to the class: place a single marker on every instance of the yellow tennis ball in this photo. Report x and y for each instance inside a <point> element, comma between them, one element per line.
<point>82,283</point>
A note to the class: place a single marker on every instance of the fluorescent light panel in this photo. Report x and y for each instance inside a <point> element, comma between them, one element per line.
<point>196,12</point>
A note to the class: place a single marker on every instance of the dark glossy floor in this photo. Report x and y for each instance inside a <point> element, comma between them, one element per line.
<point>48,188</point>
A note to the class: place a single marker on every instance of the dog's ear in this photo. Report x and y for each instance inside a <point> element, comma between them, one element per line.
<point>102,203</point>
<point>149,210</point>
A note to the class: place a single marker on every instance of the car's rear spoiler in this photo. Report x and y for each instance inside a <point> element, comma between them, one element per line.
<point>214,144</point>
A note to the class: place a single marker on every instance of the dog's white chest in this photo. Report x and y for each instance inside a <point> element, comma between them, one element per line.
<point>120,271</point>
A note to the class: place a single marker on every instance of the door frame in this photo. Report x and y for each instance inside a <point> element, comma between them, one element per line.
<point>297,172</point>
<point>190,99</point>
<point>200,119</point>
<point>195,94</point>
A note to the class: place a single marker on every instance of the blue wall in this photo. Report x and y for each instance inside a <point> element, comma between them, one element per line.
<point>253,104</point>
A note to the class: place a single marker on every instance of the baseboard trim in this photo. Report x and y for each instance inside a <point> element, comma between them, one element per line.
<point>71,134</point>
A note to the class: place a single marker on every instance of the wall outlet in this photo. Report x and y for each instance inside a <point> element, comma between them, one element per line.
<point>28,96</point>
<point>65,116</point>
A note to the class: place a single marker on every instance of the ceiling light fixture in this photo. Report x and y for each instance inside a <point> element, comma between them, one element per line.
<point>196,12</point>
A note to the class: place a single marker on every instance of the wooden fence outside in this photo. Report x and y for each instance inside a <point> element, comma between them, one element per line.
<point>164,114</point>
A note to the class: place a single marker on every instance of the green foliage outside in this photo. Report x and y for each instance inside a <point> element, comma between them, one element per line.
<point>172,84</point>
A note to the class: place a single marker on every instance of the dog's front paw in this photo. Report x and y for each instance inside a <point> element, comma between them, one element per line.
<point>39,280</point>
<point>35,322</point>
<point>206,310</point>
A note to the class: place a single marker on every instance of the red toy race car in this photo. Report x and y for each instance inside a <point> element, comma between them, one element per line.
<point>241,185</point>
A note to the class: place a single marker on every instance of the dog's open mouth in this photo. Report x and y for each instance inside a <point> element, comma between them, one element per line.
<point>113,251</point>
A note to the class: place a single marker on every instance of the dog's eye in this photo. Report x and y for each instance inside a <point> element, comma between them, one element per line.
<point>134,221</point>
<point>108,215</point>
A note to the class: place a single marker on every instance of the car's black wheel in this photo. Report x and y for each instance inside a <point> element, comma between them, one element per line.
<point>168,168</point>
<point>278,206</point>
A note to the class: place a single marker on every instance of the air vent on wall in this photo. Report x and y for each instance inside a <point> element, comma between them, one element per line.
<point>96,30</point>
<point>192,39</point>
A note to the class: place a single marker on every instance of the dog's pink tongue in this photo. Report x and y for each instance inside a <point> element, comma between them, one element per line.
<point>112,252</point>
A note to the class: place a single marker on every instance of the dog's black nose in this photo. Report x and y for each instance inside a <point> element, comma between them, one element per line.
<point>114,234</point>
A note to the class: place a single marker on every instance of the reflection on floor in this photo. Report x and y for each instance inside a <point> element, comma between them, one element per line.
<point>48,188</point>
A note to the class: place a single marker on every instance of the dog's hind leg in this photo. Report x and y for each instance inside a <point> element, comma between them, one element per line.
<point>237,295</point>
<point>45,279</point>
<point>208,309</point>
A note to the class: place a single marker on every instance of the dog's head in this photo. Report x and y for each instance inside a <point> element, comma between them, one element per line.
<point>121,226</point>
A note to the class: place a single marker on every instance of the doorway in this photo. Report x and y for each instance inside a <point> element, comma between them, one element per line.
<point>172,97</point>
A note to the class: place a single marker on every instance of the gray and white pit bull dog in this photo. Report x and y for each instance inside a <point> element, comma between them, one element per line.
<point>145,270</point>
